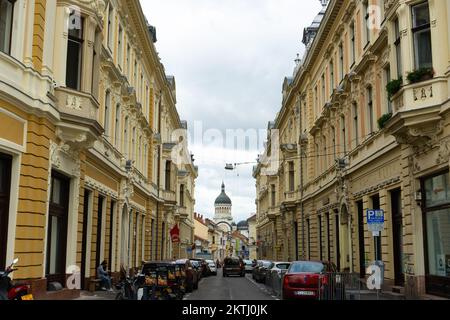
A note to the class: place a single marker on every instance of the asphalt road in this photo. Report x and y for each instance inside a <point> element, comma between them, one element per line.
<point>229,289</point>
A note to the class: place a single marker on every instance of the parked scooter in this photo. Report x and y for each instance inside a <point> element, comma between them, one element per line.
<point>11,291</point>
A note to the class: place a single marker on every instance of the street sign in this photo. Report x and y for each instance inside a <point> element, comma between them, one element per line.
<point>375,221</point>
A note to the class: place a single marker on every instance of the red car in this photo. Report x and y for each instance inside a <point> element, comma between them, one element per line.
<point>301,281</point>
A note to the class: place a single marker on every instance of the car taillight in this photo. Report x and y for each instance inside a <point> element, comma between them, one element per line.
<point>286,281</point>
<point>323,280</point>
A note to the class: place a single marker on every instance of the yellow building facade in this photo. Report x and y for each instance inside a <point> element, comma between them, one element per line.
<point>363,125</point>
<point>92,160</point>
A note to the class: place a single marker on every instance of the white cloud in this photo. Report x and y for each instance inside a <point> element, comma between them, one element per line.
<point>229,59</point>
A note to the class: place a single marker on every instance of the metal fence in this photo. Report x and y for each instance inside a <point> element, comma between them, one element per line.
<point>339,286</point>
<point>330,286</point>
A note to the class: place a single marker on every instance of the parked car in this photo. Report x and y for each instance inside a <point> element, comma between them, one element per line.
<point>203,266</point>
<point>277,272</point>
<point>190,274</point>
<point>302,279</point>
<point>249,266</point>
<point>233,266</point>
<point>212,268</point>
<point>261,270</point>
<point>198,268</point>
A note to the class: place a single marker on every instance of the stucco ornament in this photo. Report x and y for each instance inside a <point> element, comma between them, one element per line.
<point>98,6</point>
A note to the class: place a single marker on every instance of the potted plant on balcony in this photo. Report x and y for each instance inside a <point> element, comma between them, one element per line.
<point>393,87</point>
<point>420,75</point>
<point>383,120</point>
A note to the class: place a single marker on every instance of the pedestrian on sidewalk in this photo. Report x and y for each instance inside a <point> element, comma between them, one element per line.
<point>102,274</point>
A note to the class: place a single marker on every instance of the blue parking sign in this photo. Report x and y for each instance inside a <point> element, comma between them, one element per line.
<point>375,216</point>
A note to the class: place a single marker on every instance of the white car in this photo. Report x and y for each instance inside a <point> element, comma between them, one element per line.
<point>249,266</point>
<point>213,268</point>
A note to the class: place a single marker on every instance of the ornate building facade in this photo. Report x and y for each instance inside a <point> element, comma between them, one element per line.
<point>363,125</point>
<point>90,167</point>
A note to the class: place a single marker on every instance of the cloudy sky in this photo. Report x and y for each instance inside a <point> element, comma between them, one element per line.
<point>229,59</point>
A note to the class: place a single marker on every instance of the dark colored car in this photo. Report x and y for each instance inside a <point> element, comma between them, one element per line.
<point>303,278</point>
<point>203,267</point>
<point>197,268</point>
<point>261,270</point>
<point>189,273</point>
<point>233,266</point>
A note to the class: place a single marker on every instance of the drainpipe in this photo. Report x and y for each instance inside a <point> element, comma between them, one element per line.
<point>158,177</point>
<point>301,180</point>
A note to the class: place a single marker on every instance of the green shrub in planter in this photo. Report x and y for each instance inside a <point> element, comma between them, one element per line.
<point>420,75</point>
<point>393,87</point>
<point>383,120</point>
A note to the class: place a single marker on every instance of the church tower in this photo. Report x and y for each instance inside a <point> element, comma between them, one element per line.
<point>222,207</point>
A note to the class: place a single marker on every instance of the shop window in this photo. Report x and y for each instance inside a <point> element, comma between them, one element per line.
<point>5,186</point>
<point>437,191</point>
<point>438,234</point>
<point>6,22</point>
<point>422,36</point>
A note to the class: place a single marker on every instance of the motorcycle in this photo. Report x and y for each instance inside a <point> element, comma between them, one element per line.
<point>11,291</point>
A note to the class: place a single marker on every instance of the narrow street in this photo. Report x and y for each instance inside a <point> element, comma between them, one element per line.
<point>230,288</point>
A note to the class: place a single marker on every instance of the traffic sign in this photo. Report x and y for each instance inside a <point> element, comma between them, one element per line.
<point>375,216</point>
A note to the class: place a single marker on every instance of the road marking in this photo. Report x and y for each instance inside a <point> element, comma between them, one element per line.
<point>260,287</point>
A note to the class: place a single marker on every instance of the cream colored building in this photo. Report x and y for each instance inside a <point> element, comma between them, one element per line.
<point>87,115</point>
<point>346,145</point>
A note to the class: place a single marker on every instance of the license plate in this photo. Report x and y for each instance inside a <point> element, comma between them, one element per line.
<point>304,293</point>
<point>28,297</point>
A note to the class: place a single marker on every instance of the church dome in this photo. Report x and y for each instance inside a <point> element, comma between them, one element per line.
<point>223,198</point>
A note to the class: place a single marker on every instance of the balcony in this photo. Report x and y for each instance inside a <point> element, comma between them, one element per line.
<point>273,213</point>
<point>182,213</point>
<point>169,197</point>
<point>290,199</point>
<point>79,118</point>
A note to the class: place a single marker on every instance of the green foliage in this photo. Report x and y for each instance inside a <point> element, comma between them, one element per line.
<point>420,75</point>
<point>383,120</point>
<point>394,86</point>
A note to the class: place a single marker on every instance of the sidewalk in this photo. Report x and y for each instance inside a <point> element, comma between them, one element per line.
<point>97,295</point>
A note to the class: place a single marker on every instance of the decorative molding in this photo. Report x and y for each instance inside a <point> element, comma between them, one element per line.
<point>94,184</point>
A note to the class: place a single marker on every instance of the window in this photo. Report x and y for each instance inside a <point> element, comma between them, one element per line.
<point>341,62</point>
<point>320,239</point>
<point>135,74</point>
<point>107,112</point>
<point>343,135</point>
<point>128,60</point>
<point>120,47</point>
<point>182,195</point>
<point>387,79</point>
<point>308,226</point>
<point>95,64</point>
<point>5,192</point>
<point>352,43</point>
<point>273,196</point>
<point>74,56</point>
<point>145,161</point>
<point>398,48</point>
<point>117,126</point>
<point>6,20</point>
<point>317,164</point>
<point>331,77</point>
<point>367,20</point>
<point>168,170</point>
<point>356,123</point>
<point>378,248</point>
<point>291,176</point>
<point>133,144</point>
<point>422,36</point>
<point>370,110</point>
<point>323,89</point>
<point>324,154</point>
<point>125,136</point>
<point>110,26</point>
<point>139,158</point>
<point>333,140</point>
<point>316,101</point>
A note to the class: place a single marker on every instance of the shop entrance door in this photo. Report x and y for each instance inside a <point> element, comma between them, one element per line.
<point>397,237</point>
